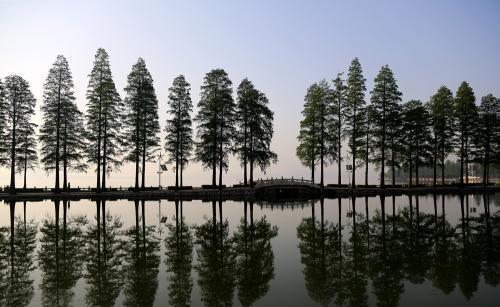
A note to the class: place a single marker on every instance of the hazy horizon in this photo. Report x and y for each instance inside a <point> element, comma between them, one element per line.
<point>282,47</point>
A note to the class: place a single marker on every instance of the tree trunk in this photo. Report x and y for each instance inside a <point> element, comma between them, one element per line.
<point>104,151</point>
<point>65,158</point>
<point>58,133</point>
<point>13,151</point>
<point>245,127</point>
<point>339,143</point>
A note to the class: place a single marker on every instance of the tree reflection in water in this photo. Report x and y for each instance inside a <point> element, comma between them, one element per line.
<point>389,249</point>
<point>17,246</point>
<point>61,256</point>
<point>216,260</point>
<point>255,257</point>
<point>103,267</point>
<point>179,257</point>
<point>141,259</point>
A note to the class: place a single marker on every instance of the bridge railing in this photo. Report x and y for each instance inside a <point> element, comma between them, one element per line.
<point>281,180</point>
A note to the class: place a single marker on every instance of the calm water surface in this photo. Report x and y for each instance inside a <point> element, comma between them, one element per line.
<point>392,251</point>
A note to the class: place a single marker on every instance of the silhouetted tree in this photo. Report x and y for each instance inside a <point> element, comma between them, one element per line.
<point>487,133</point>
<point>179,132</point>
<point>384,116</point>
<point>441,113</point>
<point>61,134</point>
<point>465,111</point>
<point>338,106</point>
<point>104,275</point>
<point>103,119</point>
<point>215,119</point>
<point>3,138</point>
<point>416,137</point>
<point>27,154</point>
<point>19,107</point>
<point>355,111</point>
<point>141,119</point>
<point>255,133</point>
<point>179,245</point>
<point>317,141</point>
<point>255,257</point>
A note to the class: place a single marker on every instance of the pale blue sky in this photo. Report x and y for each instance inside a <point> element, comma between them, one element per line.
<point>282,46</point>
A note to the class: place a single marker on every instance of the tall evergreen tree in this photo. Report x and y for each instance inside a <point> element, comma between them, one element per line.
<point>415,137</point>
<point>315,135</point>
<point>465,110</point>
<point>27,154</point>
<point>487,134</point>
<point>339,101</point>
<point>3,136</point>
<point>19,107</point>
<point>253,139</point>
<point>355,111</point>
<point>103,119</point>
<point>385,99</point>
<point>215,120</point>
<point>441,113</point>
<point>141,119</point>
<point>61,135</point>
<point>179,132</point>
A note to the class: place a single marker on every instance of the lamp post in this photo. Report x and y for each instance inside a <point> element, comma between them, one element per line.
<point>161,169</point>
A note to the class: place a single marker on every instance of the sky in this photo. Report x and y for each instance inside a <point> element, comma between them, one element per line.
<point>281,46</point>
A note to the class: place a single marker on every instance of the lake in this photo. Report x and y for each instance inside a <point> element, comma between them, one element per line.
<point>378,251</point>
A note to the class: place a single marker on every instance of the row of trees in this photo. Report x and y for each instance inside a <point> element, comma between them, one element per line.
<point>391,134</point>
<point>114,131</point>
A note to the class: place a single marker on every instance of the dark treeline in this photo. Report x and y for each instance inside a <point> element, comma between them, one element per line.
<point>113,130</point>
<point>396,136</point>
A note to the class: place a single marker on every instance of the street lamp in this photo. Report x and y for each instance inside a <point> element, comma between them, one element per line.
<point>161,168</point>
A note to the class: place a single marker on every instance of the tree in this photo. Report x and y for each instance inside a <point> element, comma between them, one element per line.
<point>253,139</point>
<point>61,135</point>
<point>179,138</point>
<point>3,123</point>
<point>416,137</point>
<point>27,154</point>
<point>19,107</point>
<point>354,111</point>
<point>141,119</point>
<point>487,133</point>
<point>465,110</point>
<point>317,141</point>
<point>103,119</point>
<point>440,109</point>
<point>338,106</point>
<point>215,120</point>
<point>384,117</point>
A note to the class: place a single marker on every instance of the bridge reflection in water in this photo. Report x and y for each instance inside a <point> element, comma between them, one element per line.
<point>350,253</point>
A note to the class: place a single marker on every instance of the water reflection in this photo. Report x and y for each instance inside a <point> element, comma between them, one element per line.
<point>61,256</point>
<point>354,252</point>
<point>102,251</point>
<point>17,246</point>
<point>141,259</point>
<point>216,260</point>
<point>179,258</point>
<point>255,257</point>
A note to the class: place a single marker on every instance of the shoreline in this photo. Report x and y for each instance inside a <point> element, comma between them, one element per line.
<point>275,193</point>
